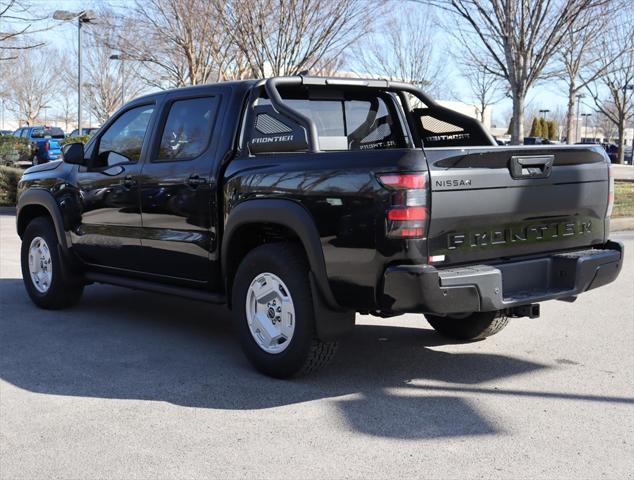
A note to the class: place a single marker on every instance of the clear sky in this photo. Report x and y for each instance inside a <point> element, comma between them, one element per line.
<point>63,36</point>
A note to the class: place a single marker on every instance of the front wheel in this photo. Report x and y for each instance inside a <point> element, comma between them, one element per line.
<point>274,315</point>
<point>48,281</point>
<point>470,326</point>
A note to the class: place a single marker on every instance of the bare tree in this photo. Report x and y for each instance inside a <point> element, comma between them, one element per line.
<point>581,57</point>
<point>605,125</point>
<point>613,91</point>
<point>181,42</point>
<point>285,37</point>
<point>66,111</point>
<point>33,83</point>
<point>485,88</point>
<point>107,81</point>
<point>402,48</point>
<point>515,39</point>
<point>16,23</point>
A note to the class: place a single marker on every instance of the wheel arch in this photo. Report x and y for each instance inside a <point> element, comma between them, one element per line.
<point>285,217</point>
<point>36,203</point>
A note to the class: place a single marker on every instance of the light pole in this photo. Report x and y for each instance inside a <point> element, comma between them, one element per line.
<point>84,16</point>
<point>122,59</point>
<point>585,124</point>
<point>2,103</point>
<point>45,108</point>
<point>545,112</point>
<point>579,97</point>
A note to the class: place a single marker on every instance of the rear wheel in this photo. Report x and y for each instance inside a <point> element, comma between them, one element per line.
<point>274,315</point>
<point>49,282</point>
<point>469,326</point>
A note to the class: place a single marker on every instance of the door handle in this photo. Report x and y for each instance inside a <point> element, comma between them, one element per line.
<point>535,166</point>
<point>129,181</point>
<point>196,180</point>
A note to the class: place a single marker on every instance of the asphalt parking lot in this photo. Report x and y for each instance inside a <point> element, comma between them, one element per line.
<point>137,385</point>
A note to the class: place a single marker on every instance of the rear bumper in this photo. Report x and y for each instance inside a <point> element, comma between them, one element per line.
<point>424,288</point>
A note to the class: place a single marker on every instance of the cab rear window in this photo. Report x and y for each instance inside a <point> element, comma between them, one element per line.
<point>366,122</point>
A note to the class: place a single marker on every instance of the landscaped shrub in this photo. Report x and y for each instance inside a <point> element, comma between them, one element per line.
<point>13,150</point>
<point>9,178</point>
<point>75,139</point>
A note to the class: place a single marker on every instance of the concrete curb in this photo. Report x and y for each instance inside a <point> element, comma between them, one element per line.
<point>621,223</point>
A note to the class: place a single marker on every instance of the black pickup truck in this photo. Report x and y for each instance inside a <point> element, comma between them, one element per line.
<point>298,201</point>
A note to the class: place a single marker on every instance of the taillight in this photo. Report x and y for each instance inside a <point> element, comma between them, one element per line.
<point>407,180</point>
<point>408,212</point>
<point>610,190</point>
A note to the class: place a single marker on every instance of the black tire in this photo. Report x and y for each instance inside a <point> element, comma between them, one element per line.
<point>305,353</point>
<point>65,288</point>
<point>474,326</point>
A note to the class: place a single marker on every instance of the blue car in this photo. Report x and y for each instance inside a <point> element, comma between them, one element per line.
<point>45,142</point>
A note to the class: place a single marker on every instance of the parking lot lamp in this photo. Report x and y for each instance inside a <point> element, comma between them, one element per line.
<point>84,16</point>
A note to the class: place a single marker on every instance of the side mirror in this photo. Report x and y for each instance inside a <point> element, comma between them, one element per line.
<point>74,153</point>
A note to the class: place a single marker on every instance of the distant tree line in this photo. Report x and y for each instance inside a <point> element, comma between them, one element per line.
<point>503,49</point>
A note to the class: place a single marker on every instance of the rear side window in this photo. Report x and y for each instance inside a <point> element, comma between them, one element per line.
<point>47,132</point>
<point>188,128</point>
<point>366,122</point>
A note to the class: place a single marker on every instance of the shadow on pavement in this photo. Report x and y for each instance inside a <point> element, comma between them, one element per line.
<point>124,344</point>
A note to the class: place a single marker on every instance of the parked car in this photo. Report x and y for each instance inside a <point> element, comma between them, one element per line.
<point>537,141</point>
<point>613,151</point>
<point>45,141</point>
<point>84,131</point>
<point>5,133</point>
<point>298,201</point>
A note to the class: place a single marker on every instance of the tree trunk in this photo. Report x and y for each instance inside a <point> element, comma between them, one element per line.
<point>570,135</point>
<point>517,134</point>
<point>621,154</point>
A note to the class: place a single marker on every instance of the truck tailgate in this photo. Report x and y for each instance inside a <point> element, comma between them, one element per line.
<point>490,203</point>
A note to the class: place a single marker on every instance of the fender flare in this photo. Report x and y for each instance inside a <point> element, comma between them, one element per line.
<point>43,198</point>
<point>288,214</point>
